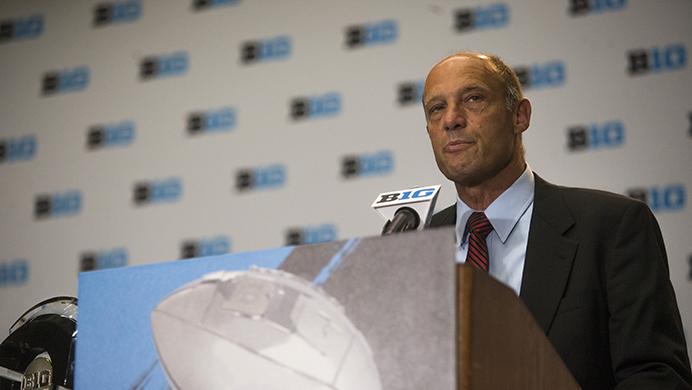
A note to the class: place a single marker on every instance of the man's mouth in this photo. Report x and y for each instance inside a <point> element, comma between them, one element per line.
<point>457,145</point>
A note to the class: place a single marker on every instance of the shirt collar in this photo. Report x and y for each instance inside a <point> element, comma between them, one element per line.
<point>505,211</point>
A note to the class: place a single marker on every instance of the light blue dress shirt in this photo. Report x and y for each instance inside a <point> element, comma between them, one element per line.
<point>510,215</point>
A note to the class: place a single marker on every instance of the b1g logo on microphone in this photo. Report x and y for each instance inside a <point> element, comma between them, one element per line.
<point>70,80</point>
<point>200,5</point>
<point>378,33</point>
<point>596,136</point>
<point>315,106</point>
<point>157,191</point>
<point>112,258</point>
<point>110,135</point>
<point>265,50</point>
<point>14,273</point>
<point>584,7</point>
<point>418,194</point>
<point>18,149</point>
<point>117,12</point>
<point>549,74</point>
<point>205,247</point>
<point>379,163</point>
<point>21,28</point>
<point>484,17</point>
<point>656,59</point>
<point>410,92</point>
<point>311,234</point>
<point>61,204</point>
<point>212,121</point>
<point>153,67</point>
<point>665,198</point>
<point>273,176</point>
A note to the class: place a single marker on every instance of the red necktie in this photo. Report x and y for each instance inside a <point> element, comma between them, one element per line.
<point>478,227</point>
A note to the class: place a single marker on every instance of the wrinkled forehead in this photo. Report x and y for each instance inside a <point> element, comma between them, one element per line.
<point>471,68</point>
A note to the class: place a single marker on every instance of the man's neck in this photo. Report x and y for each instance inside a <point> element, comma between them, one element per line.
<point>479,197</point>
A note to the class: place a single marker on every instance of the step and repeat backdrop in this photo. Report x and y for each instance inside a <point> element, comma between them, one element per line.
<point>143,131</point>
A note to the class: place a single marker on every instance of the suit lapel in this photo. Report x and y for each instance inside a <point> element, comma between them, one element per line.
<point>549,255</point>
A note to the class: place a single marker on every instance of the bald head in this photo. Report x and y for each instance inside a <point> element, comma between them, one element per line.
<point>504,74</point>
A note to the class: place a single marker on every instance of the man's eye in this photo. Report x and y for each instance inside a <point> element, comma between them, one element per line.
<point>435,109</point>
<point>474,98</point>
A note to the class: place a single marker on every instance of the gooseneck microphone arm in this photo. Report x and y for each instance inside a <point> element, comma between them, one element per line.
<point>404,219</point>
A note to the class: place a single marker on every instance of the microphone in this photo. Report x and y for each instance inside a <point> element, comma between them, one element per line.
<point>408,209</point>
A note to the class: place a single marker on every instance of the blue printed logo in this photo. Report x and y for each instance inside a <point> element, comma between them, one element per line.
<point>61,204</point>
<point>117,12</point>
<point>315,106</point>
<point>110,135</point>
<point>657,59</point>
<point>273,176</point>
<point>585,7</point>
<point>18,149</point>
<point>661,198</point>
<point>220,120</point>
<point>379,163</point>
<point>169,65</point>
<point>596,136</point>
<point>484,17</point>
<point>200,5</point>
<point>379,33</point>
<point>157,191</point>
<point>549,74</point>
<point>264,50</point>
<point>311,234</point>
<point>14,273</point>
<point>70,80</point>
<point>112,258</point>
<point>22,28</point>
<point>218,245</point>
<point>410,92</point>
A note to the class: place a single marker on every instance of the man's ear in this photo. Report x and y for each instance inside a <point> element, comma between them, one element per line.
<point>522,116</point>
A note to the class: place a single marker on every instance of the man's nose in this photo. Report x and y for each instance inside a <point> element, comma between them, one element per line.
<point>453,119</point>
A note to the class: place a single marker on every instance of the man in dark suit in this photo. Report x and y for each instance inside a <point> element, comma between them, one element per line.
<point>590,265</point>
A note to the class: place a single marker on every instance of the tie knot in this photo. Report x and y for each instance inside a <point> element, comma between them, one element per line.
<point>479,224</point>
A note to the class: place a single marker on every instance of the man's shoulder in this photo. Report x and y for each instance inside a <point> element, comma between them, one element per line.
<point>445,217</point>
<point>586,197</point>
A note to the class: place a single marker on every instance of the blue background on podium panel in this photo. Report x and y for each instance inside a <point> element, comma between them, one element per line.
<point>114,337</point>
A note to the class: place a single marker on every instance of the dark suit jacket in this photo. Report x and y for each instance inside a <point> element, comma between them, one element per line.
<point>596,280</point>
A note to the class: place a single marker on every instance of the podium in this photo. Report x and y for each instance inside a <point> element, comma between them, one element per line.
<point>499,344</point>
<point>394,313</point>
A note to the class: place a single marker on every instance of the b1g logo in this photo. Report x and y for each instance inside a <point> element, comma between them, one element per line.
<point>110,135</point>
<point>273,176</point>
<point>157,191</point>
<point>371,34</point>
<point>57,205</point>
<point>485,17</point>
<point>205,247</point>
<point>412,195</point>
<point>14,273</point>
<point>656,59</point>
<point>70,80</point>
<point>22,28</point>
<point>596,136</point>
<point>153,67</point>
<point>18,149</point>
<point>380,163</point>
<point>265,50</point>
<point>549,74</point>
<point>221,120</point>
<point>117,12</point>
<point>315,106</point>
<point>311,234</point>
<point>667,198</point>
<point>200,5</point>
<point>112,258</point>
<point>410,92</point>
<point>583,7</point>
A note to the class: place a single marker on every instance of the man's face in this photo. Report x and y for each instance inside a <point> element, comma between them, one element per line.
<point>473,134</point>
